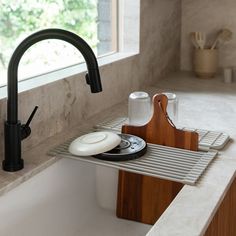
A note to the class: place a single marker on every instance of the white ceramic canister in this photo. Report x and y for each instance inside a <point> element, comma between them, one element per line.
<point>228,75</point>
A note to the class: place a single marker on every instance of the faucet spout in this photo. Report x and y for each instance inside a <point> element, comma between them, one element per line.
<point>13,127</point>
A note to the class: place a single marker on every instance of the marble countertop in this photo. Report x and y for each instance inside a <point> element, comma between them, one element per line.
<point>206,104</point>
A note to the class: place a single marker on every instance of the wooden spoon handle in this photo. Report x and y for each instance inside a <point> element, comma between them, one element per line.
<point>214,44</point>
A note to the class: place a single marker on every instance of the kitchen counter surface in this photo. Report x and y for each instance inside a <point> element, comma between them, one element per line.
<point>205,104</point>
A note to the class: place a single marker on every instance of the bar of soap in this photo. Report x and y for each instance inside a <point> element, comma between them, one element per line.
<point>94,143</point>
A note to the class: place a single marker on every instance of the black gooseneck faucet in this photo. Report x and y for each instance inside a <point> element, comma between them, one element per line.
<point>14,131</point>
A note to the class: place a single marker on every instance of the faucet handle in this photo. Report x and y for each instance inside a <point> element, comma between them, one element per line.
<point>31,116</point>
<point>25,128</point>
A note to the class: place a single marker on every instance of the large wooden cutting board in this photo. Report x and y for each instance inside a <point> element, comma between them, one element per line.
<point>143,198</point>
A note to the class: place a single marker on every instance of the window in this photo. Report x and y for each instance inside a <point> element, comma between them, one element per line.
<point>94,20</point>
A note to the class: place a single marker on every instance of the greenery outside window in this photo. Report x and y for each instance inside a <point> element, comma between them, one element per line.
<point>93,20</point>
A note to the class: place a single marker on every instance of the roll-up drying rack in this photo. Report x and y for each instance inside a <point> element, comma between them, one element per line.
<point>174,163</point>
<point>163,162</point>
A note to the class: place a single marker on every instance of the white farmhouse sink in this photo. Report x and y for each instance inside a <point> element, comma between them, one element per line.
<point>66,199</point>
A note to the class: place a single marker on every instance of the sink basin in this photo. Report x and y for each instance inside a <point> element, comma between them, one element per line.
<point>66,199</point>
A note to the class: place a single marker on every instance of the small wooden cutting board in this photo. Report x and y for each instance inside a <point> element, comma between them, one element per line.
<point>143,198</point>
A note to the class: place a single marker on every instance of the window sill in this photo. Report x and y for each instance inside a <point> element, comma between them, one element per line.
<point>63,73</point>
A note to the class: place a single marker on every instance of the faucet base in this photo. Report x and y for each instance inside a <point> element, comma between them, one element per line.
<point>10,168</point>
<point>13,161</point>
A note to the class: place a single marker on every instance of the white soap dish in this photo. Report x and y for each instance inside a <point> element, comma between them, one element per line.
<point>94,143</point>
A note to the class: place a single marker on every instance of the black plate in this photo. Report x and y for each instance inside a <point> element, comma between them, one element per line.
<point>131,147</point>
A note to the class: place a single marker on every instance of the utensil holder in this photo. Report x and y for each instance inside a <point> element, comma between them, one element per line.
<point>205,63</point>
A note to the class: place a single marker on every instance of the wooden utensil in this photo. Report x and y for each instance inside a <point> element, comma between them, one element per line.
<point>193,40</point>
<point>225,35</point>
<point>200,39</point>
<point>143,198</point>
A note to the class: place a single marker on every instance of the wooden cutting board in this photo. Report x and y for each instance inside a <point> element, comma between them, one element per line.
<point>143,198</point>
